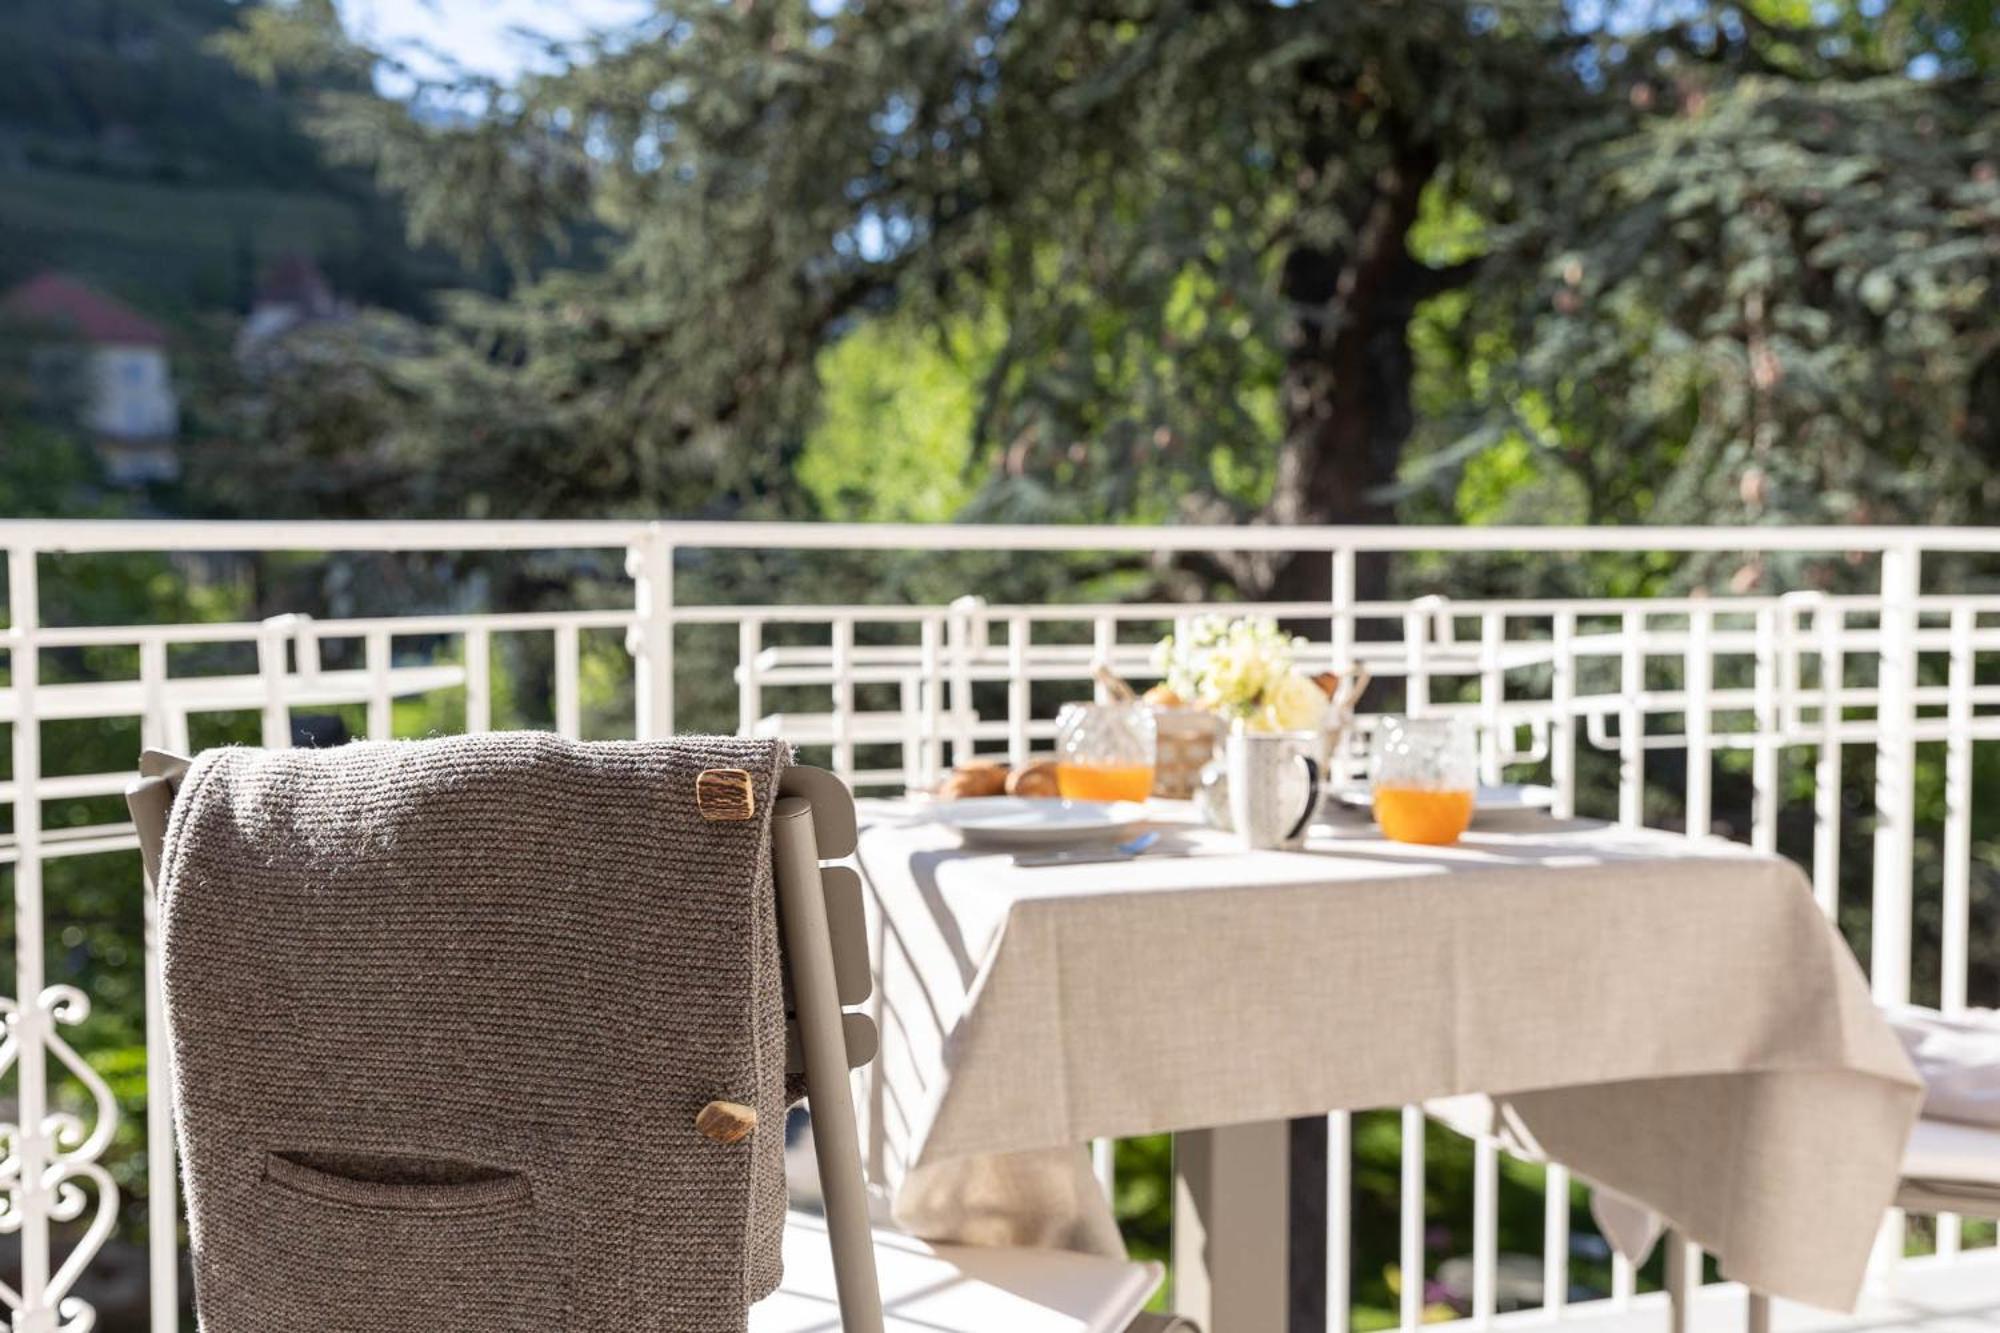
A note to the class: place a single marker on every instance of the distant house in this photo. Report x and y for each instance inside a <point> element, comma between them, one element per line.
<point>122,376</point>
<point>294,294</point>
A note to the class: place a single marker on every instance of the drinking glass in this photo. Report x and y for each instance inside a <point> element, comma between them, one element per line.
<point>1104,752</point>
<point>1424,772</point>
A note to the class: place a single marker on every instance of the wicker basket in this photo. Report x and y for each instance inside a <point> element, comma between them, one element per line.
<point>1184,740</point>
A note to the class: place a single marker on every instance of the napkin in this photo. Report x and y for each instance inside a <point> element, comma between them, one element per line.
<point>1958,1057</point>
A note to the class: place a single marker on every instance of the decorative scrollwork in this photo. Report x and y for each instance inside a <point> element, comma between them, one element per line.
<point>67,1004</point>
<point>10,1045</point>
<point>10,1153</point>
<point>12,1213</point>
<point>67,1146</point>
<point>68,1201</point>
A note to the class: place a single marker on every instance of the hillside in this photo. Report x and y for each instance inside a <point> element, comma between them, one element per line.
<point>134,157</point>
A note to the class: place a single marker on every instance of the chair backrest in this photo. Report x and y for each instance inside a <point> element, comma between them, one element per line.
<point>824,944</point>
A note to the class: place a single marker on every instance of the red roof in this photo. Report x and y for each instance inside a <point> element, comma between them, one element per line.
<point>84,311</point>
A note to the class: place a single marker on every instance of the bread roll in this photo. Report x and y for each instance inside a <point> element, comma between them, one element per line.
<point>1034,780</point>
<point>978,778</point>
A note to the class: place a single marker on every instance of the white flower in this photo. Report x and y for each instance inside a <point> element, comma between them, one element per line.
<point>1179,659</point>
<point>1234,675</point>
<point>1226,666</point>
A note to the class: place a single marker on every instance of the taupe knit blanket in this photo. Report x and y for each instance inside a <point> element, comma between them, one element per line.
<point>443,1014</point>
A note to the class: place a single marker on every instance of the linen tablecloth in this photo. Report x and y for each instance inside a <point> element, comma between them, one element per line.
<point>1670,1017</point>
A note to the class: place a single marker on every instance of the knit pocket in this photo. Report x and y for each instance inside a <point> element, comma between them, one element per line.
<point>382,1182</point>
<point>370,1244</point>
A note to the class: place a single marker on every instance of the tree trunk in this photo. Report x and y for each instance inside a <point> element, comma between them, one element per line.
<point>1346,385</point>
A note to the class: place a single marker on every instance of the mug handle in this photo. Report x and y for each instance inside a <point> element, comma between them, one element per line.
<point>1312,797</point>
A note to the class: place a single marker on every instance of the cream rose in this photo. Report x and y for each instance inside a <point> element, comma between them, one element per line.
<point>1291,702</point>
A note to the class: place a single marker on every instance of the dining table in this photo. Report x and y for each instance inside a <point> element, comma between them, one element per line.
<point>1670,1017</point>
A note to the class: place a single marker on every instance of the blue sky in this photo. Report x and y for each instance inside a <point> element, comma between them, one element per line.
<point>481,34</point>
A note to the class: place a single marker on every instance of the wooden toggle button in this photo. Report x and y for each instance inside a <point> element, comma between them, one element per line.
<point>725,795</point>
<point>726,1122</point>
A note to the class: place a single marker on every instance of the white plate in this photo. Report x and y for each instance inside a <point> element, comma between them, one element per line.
<point>1513,797</point>
<point>1018,822</point>
<point>1509,798</point>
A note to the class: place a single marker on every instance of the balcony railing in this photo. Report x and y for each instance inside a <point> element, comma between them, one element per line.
<point>1755,713</point>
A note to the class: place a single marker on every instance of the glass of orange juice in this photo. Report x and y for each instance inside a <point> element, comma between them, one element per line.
<point>1104,752</point>
<point>1424,771</point>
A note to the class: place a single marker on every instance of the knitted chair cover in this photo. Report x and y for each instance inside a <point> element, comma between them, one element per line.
<point>443,1016</point>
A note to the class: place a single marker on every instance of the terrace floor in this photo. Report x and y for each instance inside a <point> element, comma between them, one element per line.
<point>1921,1296</point>
<point>1960,1297</point>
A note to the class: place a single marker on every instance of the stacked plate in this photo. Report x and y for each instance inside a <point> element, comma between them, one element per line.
<point>1016,823</point>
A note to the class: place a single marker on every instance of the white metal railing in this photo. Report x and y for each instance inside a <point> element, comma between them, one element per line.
<point>1762,689</point>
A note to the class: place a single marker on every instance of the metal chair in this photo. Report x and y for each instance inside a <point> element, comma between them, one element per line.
<point>1951,1168</point>
<point>839,1267</point>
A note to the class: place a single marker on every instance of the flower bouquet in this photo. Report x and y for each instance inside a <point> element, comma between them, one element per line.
<point>1243,672</point>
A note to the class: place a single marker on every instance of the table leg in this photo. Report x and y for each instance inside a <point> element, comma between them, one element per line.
<point>1231,1260</point>
<point>1681,1282</point>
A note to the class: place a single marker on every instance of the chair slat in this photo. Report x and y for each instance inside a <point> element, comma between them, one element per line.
<point>858,1030</point>
<point>848,922</point>
<point>864,1043</point>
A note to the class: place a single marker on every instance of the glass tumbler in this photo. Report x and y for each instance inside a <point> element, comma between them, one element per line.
<point>1104,752</point>
<point>1424,771</point>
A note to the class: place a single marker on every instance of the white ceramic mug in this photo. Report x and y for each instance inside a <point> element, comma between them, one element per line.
<point>1273,786</point>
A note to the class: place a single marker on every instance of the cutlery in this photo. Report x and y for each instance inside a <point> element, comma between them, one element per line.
<point>1084,856</point>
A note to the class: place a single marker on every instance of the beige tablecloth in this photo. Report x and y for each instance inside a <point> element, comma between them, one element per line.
<point>1670,1017</point>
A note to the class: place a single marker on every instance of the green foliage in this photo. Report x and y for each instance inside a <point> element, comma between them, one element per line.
<point>42,470</point>
<point>1144,1202</point>
<point>317,427</point>
<point>893,440</point>
<point>746,186</point>
<point>45,470</point>
<point>1954,37</point>
<point>1215,256</point>
<point>1759,299</point>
